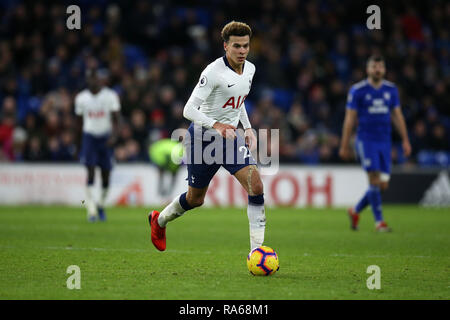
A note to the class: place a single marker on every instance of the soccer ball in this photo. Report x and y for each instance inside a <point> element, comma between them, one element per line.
<point>262,261</point>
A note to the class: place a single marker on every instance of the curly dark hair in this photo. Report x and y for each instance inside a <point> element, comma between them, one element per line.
<point>235,28</point>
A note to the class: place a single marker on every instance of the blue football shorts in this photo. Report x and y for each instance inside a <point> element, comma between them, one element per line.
<point>96,152</point>
<point>374,155</point>
<point>203,146</point>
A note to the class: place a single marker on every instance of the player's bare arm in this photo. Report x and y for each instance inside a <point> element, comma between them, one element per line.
<point>349,122</point>
<point>115,123</point>
<point>400,125</point>
<point>249,134</point>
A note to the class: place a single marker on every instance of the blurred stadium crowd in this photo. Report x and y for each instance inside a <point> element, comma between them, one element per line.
<point>307,54</point>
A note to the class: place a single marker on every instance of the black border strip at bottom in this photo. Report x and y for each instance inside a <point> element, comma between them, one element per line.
<point>223,309</point>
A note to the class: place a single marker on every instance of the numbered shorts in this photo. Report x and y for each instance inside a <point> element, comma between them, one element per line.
<point>374,156</point>
<point>207,151</point>
<point>95,151</point>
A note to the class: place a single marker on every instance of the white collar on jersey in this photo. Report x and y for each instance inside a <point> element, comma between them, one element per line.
<point>229,66</point>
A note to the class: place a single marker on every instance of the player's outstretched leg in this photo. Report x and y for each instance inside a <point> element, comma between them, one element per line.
<point>184,202</point>
<point>105,187</point>
<point>354,219</point>
<point>374,197</point>
<point>90,202</point>
<point>257,220</point>
<point>158,234</point>
<point>384,184</point>
<point>251,181</point>
<point>353,213</point>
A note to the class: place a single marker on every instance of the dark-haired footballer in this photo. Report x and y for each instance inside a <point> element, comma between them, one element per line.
<point>99,108</point>
<point>373,103</point>
<point>216,107</point>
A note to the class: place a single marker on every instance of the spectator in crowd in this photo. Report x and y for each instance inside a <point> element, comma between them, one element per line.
<point>438,139</point>
<point>419,137</point>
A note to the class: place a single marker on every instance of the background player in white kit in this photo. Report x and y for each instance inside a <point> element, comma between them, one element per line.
<point>99,107</point>
<point>218,102</point>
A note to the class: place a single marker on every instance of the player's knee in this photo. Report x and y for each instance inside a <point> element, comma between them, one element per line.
<point>257,187</point>
<point>384,181</point>
<point>374,180</point>
<point>375,184</point>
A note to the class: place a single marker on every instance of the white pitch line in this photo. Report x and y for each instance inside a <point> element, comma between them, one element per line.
<point>177,251</point>
<point>373,256</point>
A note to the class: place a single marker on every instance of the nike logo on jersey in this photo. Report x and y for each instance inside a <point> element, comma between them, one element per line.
<point>230,85</point>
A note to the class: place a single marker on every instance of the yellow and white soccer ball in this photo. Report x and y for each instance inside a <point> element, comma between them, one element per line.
<point>263,261</point>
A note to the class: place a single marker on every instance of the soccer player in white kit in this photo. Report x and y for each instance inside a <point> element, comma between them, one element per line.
<point>217,102</point>
<point>99,108</point>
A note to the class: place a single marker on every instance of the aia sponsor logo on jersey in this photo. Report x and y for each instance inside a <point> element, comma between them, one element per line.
<point>96,114</point>
<point>231,102</point>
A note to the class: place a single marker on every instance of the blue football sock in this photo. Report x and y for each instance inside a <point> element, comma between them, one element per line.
<point>363,203</point>
<point>183,202</point>
<point>374,196</point>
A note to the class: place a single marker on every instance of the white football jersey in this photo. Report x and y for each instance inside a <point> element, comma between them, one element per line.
<point>96,110</point>
<point>223,91</point>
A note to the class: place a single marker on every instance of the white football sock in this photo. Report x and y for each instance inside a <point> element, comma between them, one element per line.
<point>102,201</point>
<point>171,212</point>
<point>257,222</point>
<point>90,203</point>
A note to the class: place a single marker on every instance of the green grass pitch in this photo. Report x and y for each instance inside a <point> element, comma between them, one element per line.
<point>320,257</point>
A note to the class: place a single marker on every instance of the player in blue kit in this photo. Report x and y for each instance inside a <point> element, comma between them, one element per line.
<point>215,107</point>
<point>373,103</point>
